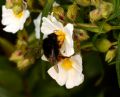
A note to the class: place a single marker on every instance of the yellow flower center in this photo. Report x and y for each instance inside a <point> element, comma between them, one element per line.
<point>60,36</point>
<point>19,15</point>
<point>67,64</point>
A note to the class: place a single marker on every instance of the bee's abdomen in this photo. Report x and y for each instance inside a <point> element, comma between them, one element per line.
<point>50,45</point>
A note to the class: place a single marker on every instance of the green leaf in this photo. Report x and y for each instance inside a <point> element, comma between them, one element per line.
<point>116,12</point>
<point>7,46</point>
<point>7,93</point>
<point>9,77</point>
<point>92,64</point>
<point>118,61</point>
<point>47,7</point>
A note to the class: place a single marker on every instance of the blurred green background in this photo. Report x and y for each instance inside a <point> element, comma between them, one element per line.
<point>100,78</point>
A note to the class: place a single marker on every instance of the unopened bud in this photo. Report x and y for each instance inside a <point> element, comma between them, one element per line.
<point>103,45</point>
<point>110,55</point>
<point>81,35</point>
<point>95,15</point>
<point>72,12</point>
<point>17,9</point>
<point>58,12</point>
<point>42,2</point>
<point>96,3</point>
<point>9,4</point>
<point>106,9</point>
<point>24,64</point>
<point>16,56</point>
<point>30,3</point>
<point>83,2</point>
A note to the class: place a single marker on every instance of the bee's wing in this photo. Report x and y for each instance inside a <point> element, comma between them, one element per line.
<point>56,68</point>
<point>53,60</point>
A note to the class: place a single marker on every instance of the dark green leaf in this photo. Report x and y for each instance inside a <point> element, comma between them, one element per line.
<point>6,45</point>
<point>47,7</point>
<point>116,12</point>
<point>118,61</point>
<point>9,77</point>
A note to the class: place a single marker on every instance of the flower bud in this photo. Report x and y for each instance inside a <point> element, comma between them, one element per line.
<point>83,2</point>
<point>17,9</point>
<point>58,12</point>
<point>95,15</point>
<point>96,3</point>
<point>9,4</point>
<point>24,64</point>
<point>103,45</point>
<point>81,35</point>
<point>106,9</point>
<point>42,2</point>
<point>72,12</point>
<point>30,3</point>
<point>22,45</point>
<point>110,55</point>
<point>16,56</point>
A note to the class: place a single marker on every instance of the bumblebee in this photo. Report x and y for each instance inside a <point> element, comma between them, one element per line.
<point>51,46</point>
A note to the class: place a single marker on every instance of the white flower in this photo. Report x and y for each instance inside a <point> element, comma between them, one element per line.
<point>69,72</point>
<point>12,21</point>
<point>37,26</point>
<point>51,25</point>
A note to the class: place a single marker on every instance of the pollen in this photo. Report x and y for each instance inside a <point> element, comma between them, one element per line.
<point>19,15</point>
<point>67,64</point>
<point>60,36</point>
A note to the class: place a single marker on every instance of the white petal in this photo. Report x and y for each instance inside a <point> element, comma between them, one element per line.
<point>69,29</point>
<point>44,58</point>
<point>47,26</point>
<point>74,79</point>
<point>37,26</point>
<point>50,24</point>
<point>22,20</point>
<point>6,16</point>
<point>52,73</point>
<point>67,48</point>
<point>13,24</point>
<point>62,76</point>
<point>11,28</point>
<point>77,59</point>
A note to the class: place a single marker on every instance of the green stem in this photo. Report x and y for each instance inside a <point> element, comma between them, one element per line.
<point>86,46</point>
<point>35,10</point>
<point>115,27</point>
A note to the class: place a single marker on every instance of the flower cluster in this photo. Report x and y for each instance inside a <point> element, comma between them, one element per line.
<point>58,45</point>
<point>69,64</point>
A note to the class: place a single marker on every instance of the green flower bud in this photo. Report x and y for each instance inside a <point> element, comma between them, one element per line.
<point>80,35</point>
<point>17,9</point>
<point>58,12</point>
<point>95,15</point>
<point>106,9</point>
<point>96,3</point>
<point>110,55</point>
<point>103,45</point>
<point>24,64</point>
<point>22,45</point>
<point>16,56</point>
<point>9,4</point>
<point>18,2</point>
<point>83,2</point>
<point>30,3</point>
<point>72,12</point>
<point>42,2</point>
